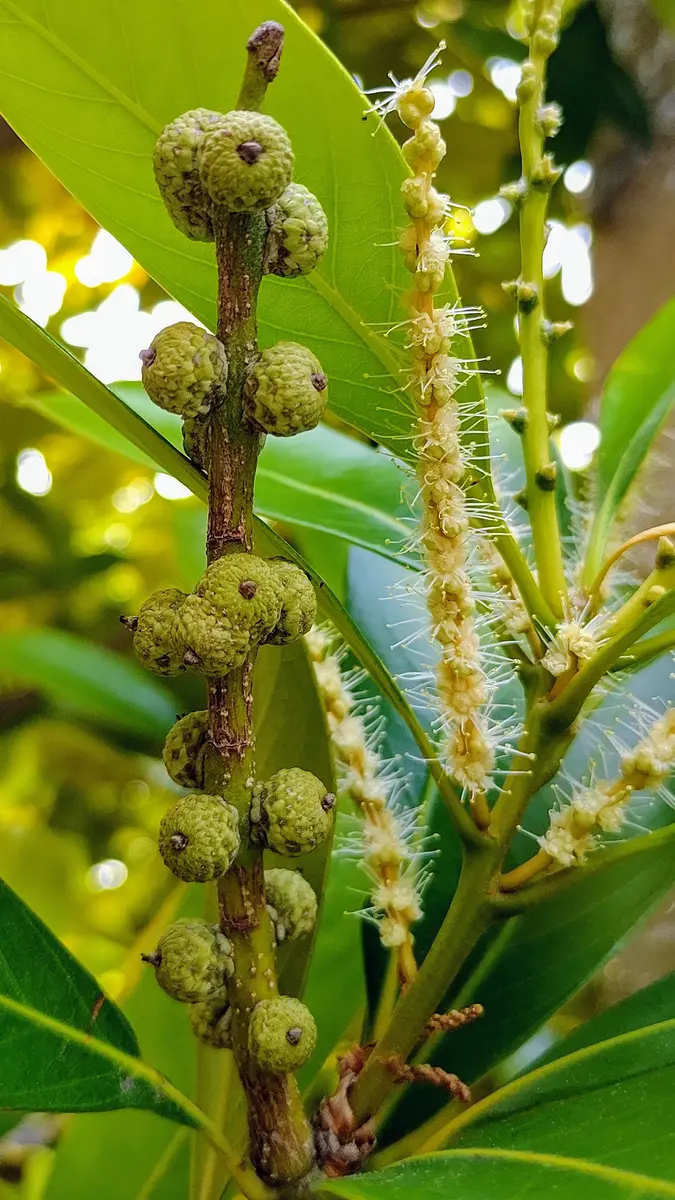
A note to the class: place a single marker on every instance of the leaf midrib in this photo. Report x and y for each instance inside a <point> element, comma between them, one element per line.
<point>370,339</point>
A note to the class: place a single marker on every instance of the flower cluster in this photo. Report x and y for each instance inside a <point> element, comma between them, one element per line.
<point>386,854</point>
<point>461,682</point>
<point>601,808</point>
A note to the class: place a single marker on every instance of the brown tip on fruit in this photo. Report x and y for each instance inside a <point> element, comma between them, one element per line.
<point>319,381</point>
<point>190,658</point>
<point>328,802</point>
<point>249,152</point>
<point>148,357</point>
<point>293,1035</point>
<point>247,589</point>
<point>154,959</point>
<point>130,623</point>
<point>179,841</point>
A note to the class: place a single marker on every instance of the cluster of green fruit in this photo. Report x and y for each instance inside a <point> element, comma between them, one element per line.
<point>239,162</point>
<point>208,165</point>
<point>240,603</point>
<point>199,838</point>
<point>193,962</point>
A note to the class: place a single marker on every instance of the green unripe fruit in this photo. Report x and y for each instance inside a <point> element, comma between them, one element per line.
<point>156,636</point>
<point>291,903</point>
<point>184,368</point>
<point>184,749</point>
<point>285,390</point>
<point>281,1034</point>
<point>192,961</point>
<point>194,440</point>
<point>211,1021</point>
<point>298,611</point>
<point>234,607</point>
<point>292,812</point>
<point>298,233</point>
<point>199,837</point>
<point>177,173</point>
<point>245,161</point>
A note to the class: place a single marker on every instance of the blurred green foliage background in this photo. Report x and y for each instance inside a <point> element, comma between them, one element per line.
<point>86,535</point>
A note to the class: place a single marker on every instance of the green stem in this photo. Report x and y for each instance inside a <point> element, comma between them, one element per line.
<point>646,651</point>
<point>467,919</point>
<point>281,1143</point>
<point>511,904</point>
<point>530,295</point>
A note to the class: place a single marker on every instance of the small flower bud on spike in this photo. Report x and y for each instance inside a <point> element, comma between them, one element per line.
<point>546,476</point>
<point>550,119</point>
<point>655,592</point>
<point>527,297</point>
<point>516,418</point>
<point>546,174</point>
<point>528,83</point>
<point>514,192</point>
<point>552,331</point>
<point>665,554</point>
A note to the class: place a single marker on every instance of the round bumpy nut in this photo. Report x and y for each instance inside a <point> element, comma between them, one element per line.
<point>192,961</point>
<point>184,749</point>
<point>156,637</point>
<point>285,390</point>
<point>235,607</point>
<point>183,369</point>
<point>298,233</point>
<point>291,903</point>
<point>199,837</point>
<point>281,1034</point>
<point>292,812</point>
<point>211,1021</point>
<point>177,173</point>
<point>245,161</point>
<point>298,611</point>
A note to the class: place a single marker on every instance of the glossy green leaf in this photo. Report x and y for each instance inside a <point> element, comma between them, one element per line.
<point>87,680</point>
<point>323,480</point>
<point>55,1016</point>
<point>538,960</point>
<point>613,1100</point>
<point>480,1174</point>
<point>89,92</point>
<point>638,394</point>
<point>124,1151</point>
<point>69,373</point>
<point>650,1006</point>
